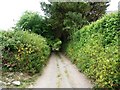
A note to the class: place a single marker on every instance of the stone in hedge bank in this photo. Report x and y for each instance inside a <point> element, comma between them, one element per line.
<point>23,51</point>
<point>94,49</point>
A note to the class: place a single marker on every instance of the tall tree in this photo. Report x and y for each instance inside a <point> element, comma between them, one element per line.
<point>65,18</point>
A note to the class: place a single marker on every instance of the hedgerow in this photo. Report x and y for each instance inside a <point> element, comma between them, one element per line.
<point>94,50</point>
<point>23,51</point>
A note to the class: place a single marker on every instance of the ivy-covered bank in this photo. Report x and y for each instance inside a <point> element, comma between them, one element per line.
<point>23,51</point>
<point>94,50</point>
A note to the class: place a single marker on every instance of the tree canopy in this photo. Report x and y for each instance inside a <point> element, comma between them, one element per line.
<point>61,20</point>
<point>64,17</point>
<point>33,22</point>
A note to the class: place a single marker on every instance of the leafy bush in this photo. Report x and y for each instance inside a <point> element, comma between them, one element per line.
<point>33,22</point>
<point>94,49</point>
<point>55,44</point>
<point>23,51</point>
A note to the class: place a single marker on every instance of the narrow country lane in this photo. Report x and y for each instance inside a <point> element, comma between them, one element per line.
<point>61,73</point>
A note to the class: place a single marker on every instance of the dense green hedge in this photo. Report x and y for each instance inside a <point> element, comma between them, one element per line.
<point>23,51</point>
<point>94,49</point>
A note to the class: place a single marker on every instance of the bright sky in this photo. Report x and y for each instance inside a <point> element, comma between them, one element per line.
<point>11,10</point>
